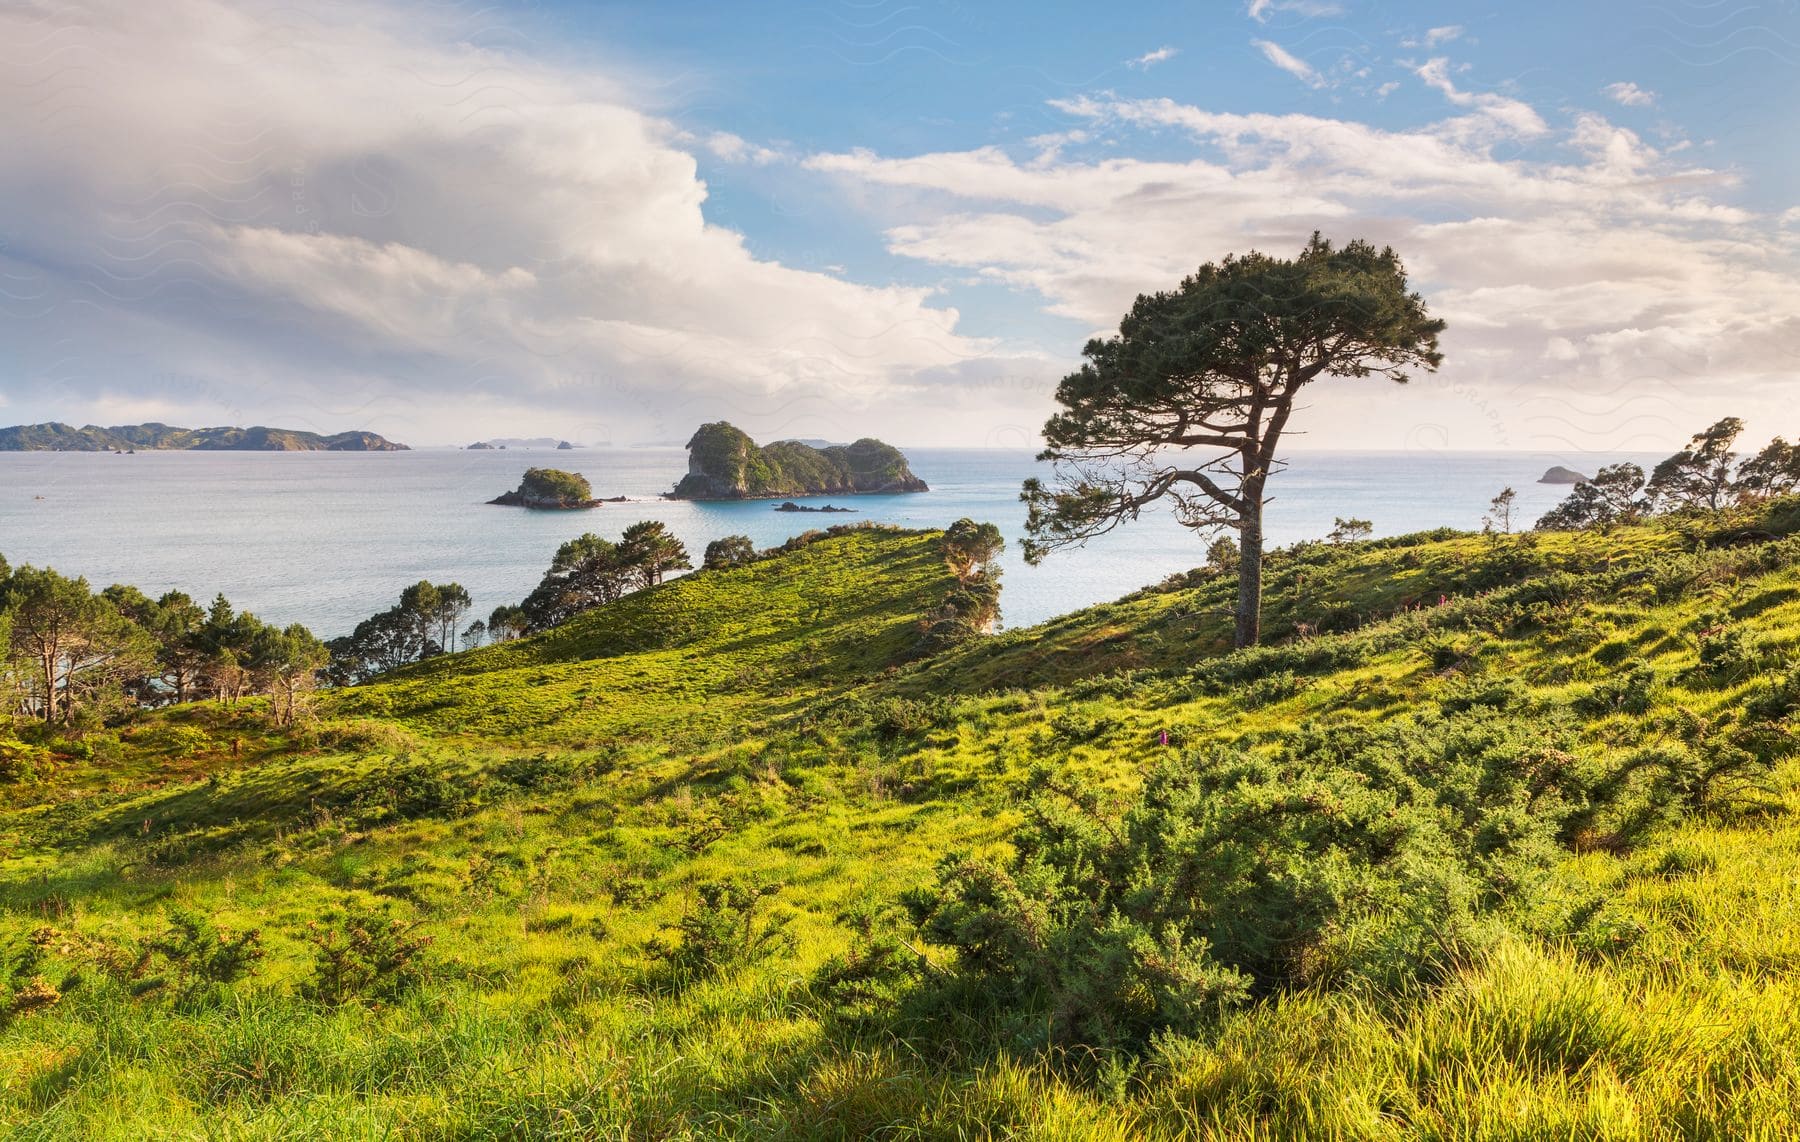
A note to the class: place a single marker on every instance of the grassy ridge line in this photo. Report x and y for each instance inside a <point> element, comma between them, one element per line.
<point>759,642</point>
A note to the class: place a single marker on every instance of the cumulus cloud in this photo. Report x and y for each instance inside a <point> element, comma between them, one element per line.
<point>1629,94</point>
<point>1286,61</point>
<point>347,216</point>
<point>1151,59</point>
<point>1600,293</point>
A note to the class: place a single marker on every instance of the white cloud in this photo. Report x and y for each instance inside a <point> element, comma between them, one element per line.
<point>733,149</point>
<point>1512,115</point>
<point>1599,294</point>
<point>1293,65</point>
<point>349,216</point>
<point>1629,94</point>
<point>1433,37</point>
<point>1261,10</point>
<point>1150,59</point>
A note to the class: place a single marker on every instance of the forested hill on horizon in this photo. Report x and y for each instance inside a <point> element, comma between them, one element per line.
<point>55,436</point>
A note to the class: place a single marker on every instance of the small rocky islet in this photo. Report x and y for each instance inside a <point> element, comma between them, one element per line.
<point>551,489</point>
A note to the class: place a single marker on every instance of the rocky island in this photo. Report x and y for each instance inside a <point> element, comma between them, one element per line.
<point>791,506</point>
<point>725,464</point>
<point>550,489</point>
<point>54,436</point>
<point>1561,475</point>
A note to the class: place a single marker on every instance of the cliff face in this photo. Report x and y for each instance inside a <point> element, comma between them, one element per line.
<point>725,464</point>
<point>57,437</point>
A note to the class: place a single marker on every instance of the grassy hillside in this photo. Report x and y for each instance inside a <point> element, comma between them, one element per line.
<point>656,853</point>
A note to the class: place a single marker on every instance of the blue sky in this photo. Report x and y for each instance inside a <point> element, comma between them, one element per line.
<point>922,76</point>
<point>613,221</point>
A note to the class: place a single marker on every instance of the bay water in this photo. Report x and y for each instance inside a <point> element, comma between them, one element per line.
<point>328,538</point>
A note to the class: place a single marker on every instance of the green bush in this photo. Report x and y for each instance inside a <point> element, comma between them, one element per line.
<point>22,763</point>
<point>363,955</point>
<point>722,929</point>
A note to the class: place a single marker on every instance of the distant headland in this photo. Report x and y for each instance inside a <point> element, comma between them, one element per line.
<point>725,464</point>
<point>502,443</point>
<point>55,436</point>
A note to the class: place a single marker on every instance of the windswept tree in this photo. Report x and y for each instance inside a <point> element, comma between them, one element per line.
<point>970,547</point>
<point>422,624</point>
<point>1775,471</point>
<point>1189,401</point>
<point>1609,499</point>
<point>648,550</point>
<point>1351,530</point>
<point>1700,475</point>
<point>1500,512</point>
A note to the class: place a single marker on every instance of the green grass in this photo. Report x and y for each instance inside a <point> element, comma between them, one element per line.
<point>547,809</point>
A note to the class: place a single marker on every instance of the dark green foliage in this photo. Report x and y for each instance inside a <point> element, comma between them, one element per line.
<point>648,551</point>
<point>1349,530</point>
<point>731,551</point>
<point>589,571</point>
<point>196,955</point>
<point>1727,652</point>
<point>1610,498</point>
<point>553,487</point>
<point>423,624</point>
<point>1699,476</point>
<point>1351,854</point>
<point>363,955</point>
<point>970,547</point>
<point>1625,691</point>
<point>723,927</point>
<point>409,789</point>
<point>1776,699</point>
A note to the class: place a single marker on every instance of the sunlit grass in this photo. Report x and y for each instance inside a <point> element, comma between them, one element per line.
<point>770,724</point>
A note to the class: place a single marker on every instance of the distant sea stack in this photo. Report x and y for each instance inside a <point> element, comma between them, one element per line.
<point>58,437</point>
<point>1562,475</point>
<point>550,489</point>
<point>725,464</point>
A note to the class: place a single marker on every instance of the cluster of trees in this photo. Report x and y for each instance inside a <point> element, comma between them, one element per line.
<point>70,655</point>
<point>1707,475</point>
<point>589,571</point>
<point>421,625</point>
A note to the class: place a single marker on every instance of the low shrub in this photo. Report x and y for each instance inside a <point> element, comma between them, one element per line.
<point>363,955</point>
<point>723,927</point>
<point>1379,854</point>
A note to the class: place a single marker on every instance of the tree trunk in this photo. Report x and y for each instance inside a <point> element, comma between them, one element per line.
<point>1250,554</point>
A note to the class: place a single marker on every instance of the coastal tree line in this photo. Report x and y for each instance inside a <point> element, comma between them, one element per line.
<point>70,655</point>
<point>1709,475</point>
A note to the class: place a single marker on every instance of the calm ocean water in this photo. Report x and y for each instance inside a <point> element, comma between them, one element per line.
<point>327,538</point>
